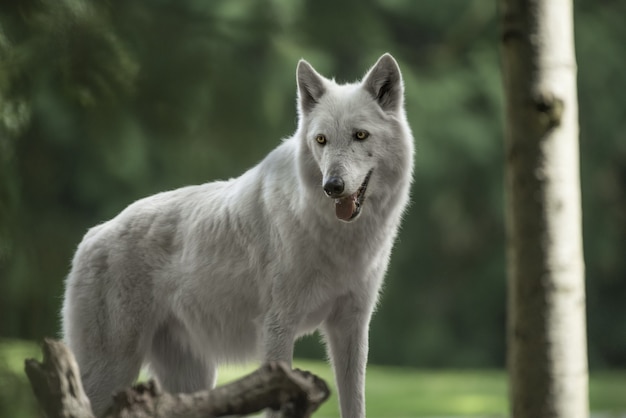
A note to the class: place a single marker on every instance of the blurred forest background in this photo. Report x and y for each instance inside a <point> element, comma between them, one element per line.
<point>102,103</point>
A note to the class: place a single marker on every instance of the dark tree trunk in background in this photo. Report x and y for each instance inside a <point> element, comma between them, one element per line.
<point>547,355</point>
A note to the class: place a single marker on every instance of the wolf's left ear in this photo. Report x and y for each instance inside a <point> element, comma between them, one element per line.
<point>310,86</point>
<point>384,83</point>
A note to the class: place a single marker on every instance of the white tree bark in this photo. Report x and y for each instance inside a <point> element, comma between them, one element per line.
<point>547,352</point>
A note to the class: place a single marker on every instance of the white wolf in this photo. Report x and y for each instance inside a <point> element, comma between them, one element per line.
<point>232,270</point>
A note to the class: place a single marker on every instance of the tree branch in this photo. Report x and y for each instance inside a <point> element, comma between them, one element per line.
<point>58,388</point>
<point>56,382</point>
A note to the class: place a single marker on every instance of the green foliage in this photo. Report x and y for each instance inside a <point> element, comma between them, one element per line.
<point>603,176</point>
<point>102,103</point>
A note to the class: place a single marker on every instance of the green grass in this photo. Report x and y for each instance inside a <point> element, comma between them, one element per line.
<point>403,392</point>
<point>16,399</point>
<point>406,392</point>
<point>390,392</point>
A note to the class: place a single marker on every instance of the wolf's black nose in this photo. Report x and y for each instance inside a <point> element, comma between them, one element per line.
<point>334,186</point>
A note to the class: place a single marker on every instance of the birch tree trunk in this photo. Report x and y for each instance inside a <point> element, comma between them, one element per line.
<point>546,336</point>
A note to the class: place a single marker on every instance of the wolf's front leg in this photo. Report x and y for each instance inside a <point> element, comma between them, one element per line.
<point>279,332</point>
<point>346,334</point>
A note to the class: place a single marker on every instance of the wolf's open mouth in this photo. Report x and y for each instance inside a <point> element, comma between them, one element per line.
<point>348,208</point>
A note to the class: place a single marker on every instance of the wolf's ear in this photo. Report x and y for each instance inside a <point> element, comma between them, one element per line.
<point>384,83</point>
<point>310,86</point>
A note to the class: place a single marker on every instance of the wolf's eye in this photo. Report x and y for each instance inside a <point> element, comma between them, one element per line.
<point>320,139</point>
<point>361,135</point>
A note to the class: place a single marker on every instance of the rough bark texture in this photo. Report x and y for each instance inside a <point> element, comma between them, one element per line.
<point>547,355</point>
<point>56,383</point>
<point>57,386</point>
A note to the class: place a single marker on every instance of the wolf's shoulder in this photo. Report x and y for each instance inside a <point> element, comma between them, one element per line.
<point>275,172</point>
<point>281,159</point>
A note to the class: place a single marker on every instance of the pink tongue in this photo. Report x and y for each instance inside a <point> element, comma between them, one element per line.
<point>345,208</point>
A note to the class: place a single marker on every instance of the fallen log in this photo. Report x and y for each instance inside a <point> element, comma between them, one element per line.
<point>57,386</point>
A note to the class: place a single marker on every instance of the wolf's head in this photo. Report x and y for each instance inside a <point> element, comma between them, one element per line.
<point>356,134</point>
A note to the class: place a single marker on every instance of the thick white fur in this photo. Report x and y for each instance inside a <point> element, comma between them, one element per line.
<point>234,270</point>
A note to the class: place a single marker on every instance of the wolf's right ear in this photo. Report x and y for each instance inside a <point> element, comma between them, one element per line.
<point>310,87</point>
